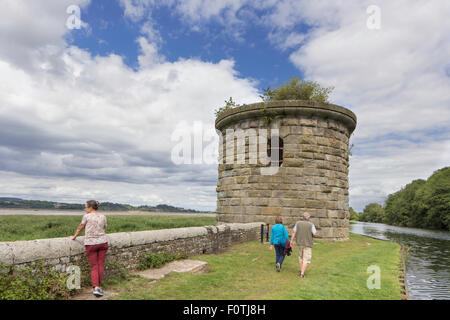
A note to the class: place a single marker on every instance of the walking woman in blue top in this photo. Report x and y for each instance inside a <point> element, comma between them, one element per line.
<point>278,237</point>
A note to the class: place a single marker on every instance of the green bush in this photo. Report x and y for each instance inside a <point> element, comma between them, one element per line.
<point>298,89</point>
<point>115,271</point>
<point>34,282</point>
<point>294,89</point>
<point>39,282</point>
<point>156,260</point>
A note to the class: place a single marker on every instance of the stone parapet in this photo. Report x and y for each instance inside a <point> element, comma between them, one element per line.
<point>128,247</point>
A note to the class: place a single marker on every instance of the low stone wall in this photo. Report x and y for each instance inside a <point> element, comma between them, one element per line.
<point>128,247</point>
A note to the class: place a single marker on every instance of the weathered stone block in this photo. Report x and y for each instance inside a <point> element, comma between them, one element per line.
<point>308,122</point>
<point>242,179</point>
<point>332,214</point>
<point>271,211</point>
<point>318,132</point>
<point>307,131</point>
<point>28,251</point>
<point>307,140</point>
<point>305,155</point>
<point>291,122</point>
<point>254,210</point>
<point>293,162</point>
<point>285,131</point>
<point>61,247</point>
<point>316,222</point>
<point>325,232</point>
<point>6,253</point>
<point>321,213</point>
<point>291,139</point>
<point>332,205</point>
<point>120,240</point>
<point>325,223</point>
<point>296,130</point>
<point>315,204</point>
<point>308,148</point>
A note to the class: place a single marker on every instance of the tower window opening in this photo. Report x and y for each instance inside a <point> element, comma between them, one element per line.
<point>278,149</point>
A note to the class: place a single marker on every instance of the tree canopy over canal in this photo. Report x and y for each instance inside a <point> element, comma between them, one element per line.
<point>420,204</point>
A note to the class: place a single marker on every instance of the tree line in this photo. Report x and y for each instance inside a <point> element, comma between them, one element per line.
<point>16,203</point>
<point>420,204</point>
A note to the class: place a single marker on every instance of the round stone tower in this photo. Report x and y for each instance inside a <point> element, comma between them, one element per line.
<point>282,158</point>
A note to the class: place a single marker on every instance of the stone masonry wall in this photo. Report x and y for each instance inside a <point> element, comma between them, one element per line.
<point>127,247</point>
<point>312,178</point>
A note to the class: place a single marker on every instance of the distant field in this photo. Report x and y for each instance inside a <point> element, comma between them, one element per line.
<point>30,227</point>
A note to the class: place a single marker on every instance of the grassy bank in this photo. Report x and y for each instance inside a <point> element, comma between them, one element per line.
<point>247,271</point>
<point>30,227</point>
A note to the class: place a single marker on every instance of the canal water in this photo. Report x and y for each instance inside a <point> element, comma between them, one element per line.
<point>428,260</point>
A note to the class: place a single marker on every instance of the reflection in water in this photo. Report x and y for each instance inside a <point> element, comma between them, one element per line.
<point>428,263</point>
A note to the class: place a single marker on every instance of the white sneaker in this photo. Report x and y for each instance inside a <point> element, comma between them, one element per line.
<point>98,292</point>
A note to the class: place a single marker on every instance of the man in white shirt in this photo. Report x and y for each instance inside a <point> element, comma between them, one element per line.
<point>303,233</point>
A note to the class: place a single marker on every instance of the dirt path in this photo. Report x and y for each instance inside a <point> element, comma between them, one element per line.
<point>86,294</point>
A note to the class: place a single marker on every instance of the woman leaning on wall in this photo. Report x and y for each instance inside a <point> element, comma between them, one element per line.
<point>95,242</point>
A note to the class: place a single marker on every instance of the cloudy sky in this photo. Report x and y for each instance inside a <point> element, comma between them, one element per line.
<point>91,109</point>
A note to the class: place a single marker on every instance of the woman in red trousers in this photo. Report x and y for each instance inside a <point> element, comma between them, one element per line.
<point>95,242</point>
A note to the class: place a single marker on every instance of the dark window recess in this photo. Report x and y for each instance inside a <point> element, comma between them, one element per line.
<point>279,150</point>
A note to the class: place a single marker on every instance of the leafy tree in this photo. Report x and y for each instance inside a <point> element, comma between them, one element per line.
<point>435,200</point>
<point>421,204</point>
<point>402,208</point>
<point>298,89</point>
<point>353,214</point>
<point>373,212</point>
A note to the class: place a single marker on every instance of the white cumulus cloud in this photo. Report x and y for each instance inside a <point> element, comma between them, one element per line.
<point>99,128</point>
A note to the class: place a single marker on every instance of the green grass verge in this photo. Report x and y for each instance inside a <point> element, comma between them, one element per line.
<point>338,271</point>
<point>30,227</point>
